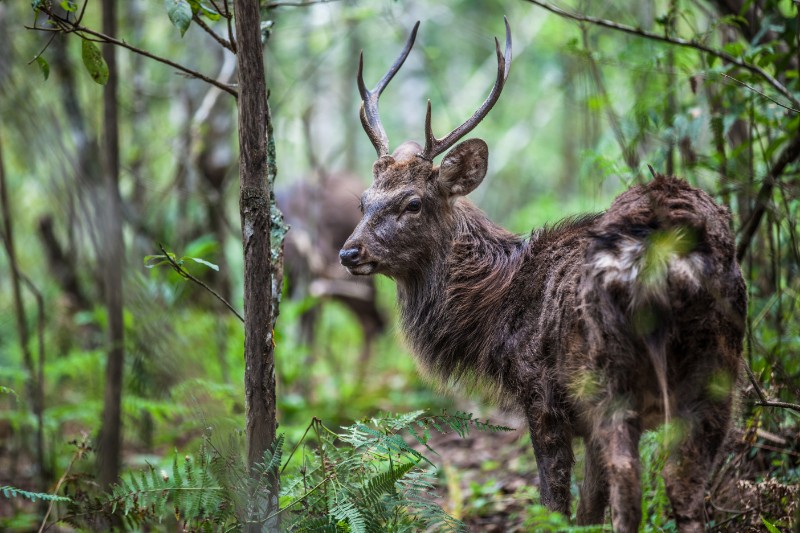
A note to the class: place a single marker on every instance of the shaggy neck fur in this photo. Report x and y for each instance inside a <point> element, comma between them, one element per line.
<point>453,308</point>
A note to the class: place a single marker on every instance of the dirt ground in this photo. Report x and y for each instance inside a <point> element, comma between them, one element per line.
<point>490,480</point>
<point>487,479</point>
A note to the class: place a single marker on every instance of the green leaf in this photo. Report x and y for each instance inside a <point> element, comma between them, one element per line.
<point>6,390</point>
<point>180,14</point>
<point>199,8</point>
<point>209,13</point>
<point>151,261</point>
<point>69,6</point>
<point>43,66</point>
<point>203,262</point>
<point>770,526</point>
<point>94,62</point>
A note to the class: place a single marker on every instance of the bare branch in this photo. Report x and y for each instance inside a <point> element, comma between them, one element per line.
<point>229,17</point>
<point>46,46</point>
<point>180,270</point>
<point>217,37</point>
<point>677,41</point>
<point>768,97</point>
<point>789,155</point>
<point>762,398</point>
<point>67,26</point>
<point>80,452</point>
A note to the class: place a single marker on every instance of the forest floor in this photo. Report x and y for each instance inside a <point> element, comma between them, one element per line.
<point>487,479</point>
<point>490,481</point>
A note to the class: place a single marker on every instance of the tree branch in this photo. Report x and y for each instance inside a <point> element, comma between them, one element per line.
<point>228,16</point>
<point>762,398</point>
<point>180,270</point>
<point>68,26</point>
<point>677,41</point>
<point>217,37</point>
<point>789,155</point>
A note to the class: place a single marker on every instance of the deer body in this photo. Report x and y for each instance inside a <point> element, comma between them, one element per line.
<point>599,327</point>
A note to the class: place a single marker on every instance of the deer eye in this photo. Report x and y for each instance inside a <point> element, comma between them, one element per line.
<point>414,206</point>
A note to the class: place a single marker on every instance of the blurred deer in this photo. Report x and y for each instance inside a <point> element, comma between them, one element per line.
<point>598,327</point>
<point>321,217</point>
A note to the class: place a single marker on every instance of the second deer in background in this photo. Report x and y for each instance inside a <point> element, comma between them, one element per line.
<point>322,215</point>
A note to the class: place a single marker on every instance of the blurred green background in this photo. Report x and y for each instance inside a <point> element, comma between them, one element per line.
<point>585,110</point>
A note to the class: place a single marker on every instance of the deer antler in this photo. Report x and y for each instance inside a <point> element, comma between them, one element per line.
<point>370,118</point>
<point>434,146</point>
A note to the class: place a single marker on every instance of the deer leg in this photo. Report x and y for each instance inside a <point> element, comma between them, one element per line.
<point>594,490</point>
<point>552,446</point>
<point>619,435</point>
<point>687,468</point>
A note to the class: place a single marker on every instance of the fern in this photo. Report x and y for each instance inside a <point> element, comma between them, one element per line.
<point>13,492</point>
<point>366,478</point>
<point>144,495</point>
<point>369,478</point>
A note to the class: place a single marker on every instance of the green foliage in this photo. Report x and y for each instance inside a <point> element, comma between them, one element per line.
<point>770,526</point>
<point>44,67</point>
<point>366,478</point>
<point>377,481</point>
<point>539,518</point>
<point>553,153</point>
<point>171,259</point>
<point>191,491</point>
<point>6,390</point>
<point>180,14</point>
<point>94,62</point>
<point>653,451</point>
<point>12,492</point>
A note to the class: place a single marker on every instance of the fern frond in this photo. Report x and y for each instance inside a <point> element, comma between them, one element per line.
<point>13,492</point>
<point>345,509</point>
<point>384,483</point>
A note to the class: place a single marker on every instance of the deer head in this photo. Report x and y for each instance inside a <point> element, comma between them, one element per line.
<point>407,212</point>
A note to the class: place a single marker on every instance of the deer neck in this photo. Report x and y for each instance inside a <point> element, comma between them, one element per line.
<point>454,307</point>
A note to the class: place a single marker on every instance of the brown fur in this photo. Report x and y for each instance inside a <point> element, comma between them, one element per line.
<point>575,326</point>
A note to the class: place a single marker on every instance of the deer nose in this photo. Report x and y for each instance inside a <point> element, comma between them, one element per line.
<point>349,256</point>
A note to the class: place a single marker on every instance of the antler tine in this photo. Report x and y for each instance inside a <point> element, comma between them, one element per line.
<point>370,117</point>
<point>434,146</point>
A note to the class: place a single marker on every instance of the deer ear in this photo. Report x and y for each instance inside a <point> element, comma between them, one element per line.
<point>464,167</point>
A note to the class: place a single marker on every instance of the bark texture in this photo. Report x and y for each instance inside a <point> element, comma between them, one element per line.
<point>255,216</point>
<point>113,259</point>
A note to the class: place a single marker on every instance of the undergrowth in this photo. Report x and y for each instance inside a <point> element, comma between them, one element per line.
<point>364,478</point>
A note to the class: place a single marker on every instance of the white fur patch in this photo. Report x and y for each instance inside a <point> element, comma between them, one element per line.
<point>624,266</point>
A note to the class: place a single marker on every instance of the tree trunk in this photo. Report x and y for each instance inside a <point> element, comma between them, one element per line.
<point>34,391</point>
<point>113,259</point>
<point>254,206</point>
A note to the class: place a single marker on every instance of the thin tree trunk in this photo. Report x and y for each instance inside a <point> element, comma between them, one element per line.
<point>33,386</point>
<point>113,258</point>
<point>254,206</point>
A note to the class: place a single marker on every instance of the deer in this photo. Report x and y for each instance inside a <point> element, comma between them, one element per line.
<point>597,327</point>
<point>319,226</point>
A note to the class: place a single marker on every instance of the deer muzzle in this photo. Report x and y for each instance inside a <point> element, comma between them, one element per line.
<point>353,259</point>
